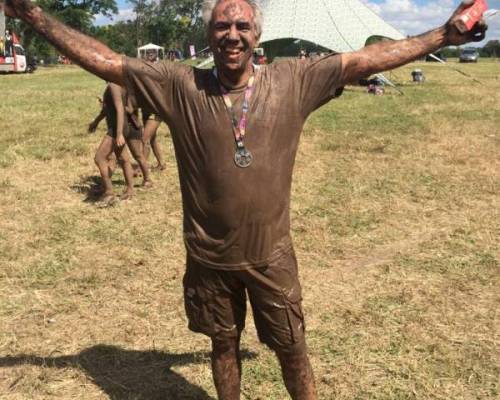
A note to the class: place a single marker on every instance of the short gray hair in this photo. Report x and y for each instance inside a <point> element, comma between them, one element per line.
<point>258,19</point>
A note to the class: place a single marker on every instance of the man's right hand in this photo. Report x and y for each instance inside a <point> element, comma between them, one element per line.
<point>84,50</point>
<point>18,8</point>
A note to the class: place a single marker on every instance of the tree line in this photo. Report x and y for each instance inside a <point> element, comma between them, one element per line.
<point>173,24</point>
<point>490,49</point>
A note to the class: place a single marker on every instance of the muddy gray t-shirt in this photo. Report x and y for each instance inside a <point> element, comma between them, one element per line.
<point>235,218</point>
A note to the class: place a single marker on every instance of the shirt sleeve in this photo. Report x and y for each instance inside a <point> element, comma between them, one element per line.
<point>320,81</point>
<point>152,85</point>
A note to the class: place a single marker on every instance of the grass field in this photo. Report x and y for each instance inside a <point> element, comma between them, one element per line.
<point>396,224</point>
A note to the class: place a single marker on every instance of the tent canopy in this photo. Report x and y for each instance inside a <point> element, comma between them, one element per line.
<point>150,46</point>
<point>338,25</point>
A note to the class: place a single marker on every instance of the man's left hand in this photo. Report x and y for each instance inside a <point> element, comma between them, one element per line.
<point>455,37</point>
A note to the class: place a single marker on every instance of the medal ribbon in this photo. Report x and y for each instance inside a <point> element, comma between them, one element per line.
<point>239,128</point>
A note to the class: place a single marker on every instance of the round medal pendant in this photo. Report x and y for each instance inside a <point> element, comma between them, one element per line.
<point>243,158</point>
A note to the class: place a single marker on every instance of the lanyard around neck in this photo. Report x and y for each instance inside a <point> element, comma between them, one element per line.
<point>239,127</point>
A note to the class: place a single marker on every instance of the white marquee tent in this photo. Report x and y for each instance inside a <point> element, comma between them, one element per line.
<point>160,51</point>
<point>338,25</point>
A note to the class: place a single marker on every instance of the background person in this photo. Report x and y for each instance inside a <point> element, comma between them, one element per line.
<point>113,109</point>
<point>9,44</point>
<point>151,56</point>
<point>123,128</point>
<point>151,124</point>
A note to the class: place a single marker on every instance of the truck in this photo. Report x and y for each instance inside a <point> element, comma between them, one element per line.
<point>15,61</point>
<point>12,54</point>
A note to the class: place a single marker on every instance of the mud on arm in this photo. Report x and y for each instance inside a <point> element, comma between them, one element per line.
<point>387,55</point>
<point>91,54</point>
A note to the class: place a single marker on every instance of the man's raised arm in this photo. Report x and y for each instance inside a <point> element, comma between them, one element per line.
<point>387,55</point>
<point>91,54</point>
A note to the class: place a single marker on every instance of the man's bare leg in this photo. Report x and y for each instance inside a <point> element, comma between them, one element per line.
<point>101,159</point>
<point>128,171</point>
<point>136,147</point>
<point>155,146</point>
<point>112,163</point>
<point>226,368</point>
<point>298,375</point>
<point>150,142</point>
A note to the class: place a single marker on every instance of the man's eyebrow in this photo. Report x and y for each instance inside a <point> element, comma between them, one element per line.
<point>240,22</point>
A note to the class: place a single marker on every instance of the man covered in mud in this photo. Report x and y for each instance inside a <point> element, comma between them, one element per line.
<point>235,130</point>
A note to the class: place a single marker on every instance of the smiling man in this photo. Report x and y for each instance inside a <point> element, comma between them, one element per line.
<point>236,130</point>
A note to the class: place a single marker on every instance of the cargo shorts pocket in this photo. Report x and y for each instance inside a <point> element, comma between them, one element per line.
<point>199,310</point>
<point>295,317</point>
<point>280,320</point>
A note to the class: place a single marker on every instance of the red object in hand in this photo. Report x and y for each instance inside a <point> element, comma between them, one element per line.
<point>471,15</point>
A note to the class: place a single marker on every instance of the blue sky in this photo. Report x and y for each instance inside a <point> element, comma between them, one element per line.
<point>417,16</point>
<point>409,16</point>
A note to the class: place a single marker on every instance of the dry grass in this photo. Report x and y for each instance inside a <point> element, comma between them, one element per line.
<point>395,221</point>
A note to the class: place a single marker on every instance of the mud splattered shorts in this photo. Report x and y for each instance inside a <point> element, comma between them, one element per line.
<point>215,302</point>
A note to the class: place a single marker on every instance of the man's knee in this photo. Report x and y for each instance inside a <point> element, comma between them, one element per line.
<point>292,352</point>
<point>227,345</point>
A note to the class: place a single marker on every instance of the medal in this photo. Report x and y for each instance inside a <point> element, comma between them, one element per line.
<point>243,158</point>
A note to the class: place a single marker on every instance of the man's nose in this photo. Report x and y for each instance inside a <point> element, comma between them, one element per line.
<point>233,33</point>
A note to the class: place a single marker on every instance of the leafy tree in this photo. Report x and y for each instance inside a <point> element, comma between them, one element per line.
<point>78,14</point>
<point>120,37</point>
<point>492,49</point>
<point>172,24</point>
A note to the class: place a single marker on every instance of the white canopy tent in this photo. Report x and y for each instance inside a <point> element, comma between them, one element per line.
<point>338,25</point>
<point>143,50</point>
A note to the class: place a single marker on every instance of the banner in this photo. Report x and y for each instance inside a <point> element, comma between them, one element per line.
<point>2,30</point>
<point>2,20</point>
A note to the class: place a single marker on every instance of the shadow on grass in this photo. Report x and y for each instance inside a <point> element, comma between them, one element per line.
<point>91,187</point>
<point>128,374</point>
